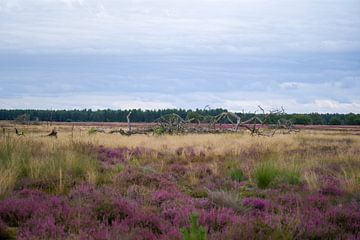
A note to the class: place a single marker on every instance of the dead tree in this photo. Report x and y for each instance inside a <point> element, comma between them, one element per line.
<point>136,131</point>
<point>53,133</point>
<point>172,123</point>
<point>257,125</point>
<point>287,126</point>
<point>128,121</point>
<point>19,133</point>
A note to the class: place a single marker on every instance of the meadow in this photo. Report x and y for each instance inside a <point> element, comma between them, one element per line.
<point>196,186</point>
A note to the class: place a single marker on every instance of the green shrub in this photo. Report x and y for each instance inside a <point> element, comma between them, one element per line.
<point>92,131</point>
<point>195,232</point>
<point>265,174</point>
<point>237,175</point>
<point>159,130</point>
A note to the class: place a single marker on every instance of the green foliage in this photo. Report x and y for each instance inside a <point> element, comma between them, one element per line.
<point>303,119</point>
<point>265,174</point>
<point>159,130</point>
<point>291,176</point>
<point>199,193</point>
<point>195,232</point>
<point>335,121</point>
<point>352,119</point>
<point>92,131</point>
<point>8,234</point>
<point>138,115</point>
<point>237,175</point>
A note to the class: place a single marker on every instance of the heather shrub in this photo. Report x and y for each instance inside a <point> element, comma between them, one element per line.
<point>42,228</point>
<point>106,212</point>
<point>313,225</point>
<point>218,219</point>
<point>318,201</point>
<point>20,207</point>
<point>194,232</point>
<point>257,203</point>
<point>265,174</point>
<point>346,218</point>
<point>330,186</point>
<point>177,216</point>
<point>132,175</point>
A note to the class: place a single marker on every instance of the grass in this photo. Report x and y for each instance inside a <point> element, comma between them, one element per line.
<point>195,232</point>
<point>52,166</point>
<point>265,174</point>
<point>182,172</point>
<point>237,175</point>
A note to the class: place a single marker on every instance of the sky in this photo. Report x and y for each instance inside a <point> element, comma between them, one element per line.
<point>151,54</point>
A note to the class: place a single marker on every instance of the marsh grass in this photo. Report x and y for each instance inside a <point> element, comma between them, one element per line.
<point>51,166</point>
<point>265,160</point>
<point>265,174</point>
<point>237,175</point>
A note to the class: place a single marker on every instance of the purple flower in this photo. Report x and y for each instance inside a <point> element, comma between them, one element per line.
<point>257,203</point>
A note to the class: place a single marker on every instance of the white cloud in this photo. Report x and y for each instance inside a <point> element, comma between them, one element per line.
<point>82,101</point>
<point>185,27</point>
<point>235,101</point>
<point>237,54</point>
<point>291,85</point>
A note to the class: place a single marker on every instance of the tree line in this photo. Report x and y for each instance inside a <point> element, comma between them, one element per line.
<point>139,115</point>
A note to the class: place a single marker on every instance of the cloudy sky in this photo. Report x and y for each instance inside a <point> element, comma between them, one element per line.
<point>236,54</point>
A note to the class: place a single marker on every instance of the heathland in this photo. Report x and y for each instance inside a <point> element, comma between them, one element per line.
<point>85,185</point>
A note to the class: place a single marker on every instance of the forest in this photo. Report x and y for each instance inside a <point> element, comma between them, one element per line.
<point>139,115</point>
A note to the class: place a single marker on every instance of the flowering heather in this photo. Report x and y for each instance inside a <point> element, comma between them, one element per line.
<point>136,193</point>
<point>113,156</point>
<point>257,203</point>
<point>331,186</point>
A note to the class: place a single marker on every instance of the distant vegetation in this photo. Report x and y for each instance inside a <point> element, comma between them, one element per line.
<point>138,115</point>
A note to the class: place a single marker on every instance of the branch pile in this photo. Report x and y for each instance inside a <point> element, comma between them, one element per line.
<point>257,125</point>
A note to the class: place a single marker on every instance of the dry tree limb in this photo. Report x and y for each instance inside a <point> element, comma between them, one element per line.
<point>53,133</point>
<point>128,121</point>
<point>19,133</point>
<point>136,131</point>
<point>257,125</point>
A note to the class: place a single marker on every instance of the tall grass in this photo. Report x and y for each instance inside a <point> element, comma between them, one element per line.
<point>265,174</point>
<point>44,163</point>
<point>56,163</point>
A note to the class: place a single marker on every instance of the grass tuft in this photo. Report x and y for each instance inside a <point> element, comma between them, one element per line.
<point>265,174</point>
<point>237,175</point>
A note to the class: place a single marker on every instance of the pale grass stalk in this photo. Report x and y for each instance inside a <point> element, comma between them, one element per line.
<point>350,181</point>
<point>312,180</point>
<point>8,179</point>
<point>192,176</point>
<point>61,185</point>
<point>92,176</point>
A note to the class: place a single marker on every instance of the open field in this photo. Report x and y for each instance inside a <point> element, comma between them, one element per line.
<point>108,186</point>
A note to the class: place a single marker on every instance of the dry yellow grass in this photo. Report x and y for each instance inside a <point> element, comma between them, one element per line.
<point>50,159</point>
